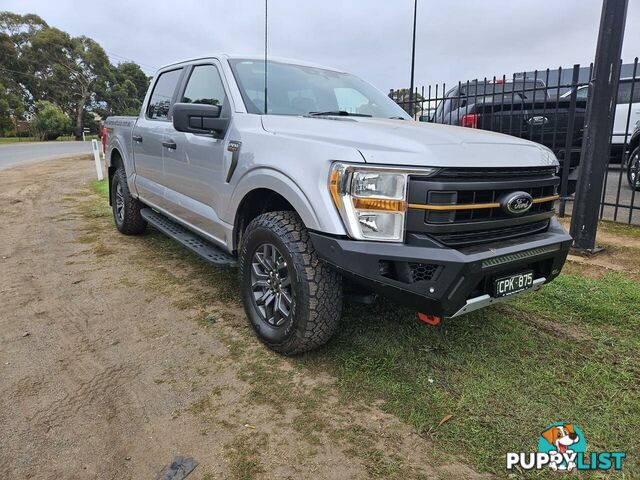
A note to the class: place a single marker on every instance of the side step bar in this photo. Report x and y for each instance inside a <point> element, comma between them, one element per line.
<point>198,245</point>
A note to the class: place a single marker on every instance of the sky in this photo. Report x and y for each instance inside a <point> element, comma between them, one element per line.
<point>456,40</point>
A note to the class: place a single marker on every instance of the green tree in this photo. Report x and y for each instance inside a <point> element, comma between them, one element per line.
<point>38,62</point>
<point>67,71</point>
<point>49,121</point>
<point>401,97</point>
<point>16,32</point>
<point>125,94</point>
<point>11,109</point>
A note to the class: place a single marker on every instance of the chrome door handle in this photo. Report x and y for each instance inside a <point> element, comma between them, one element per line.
<point>170,144</point>
<point>137,138</point>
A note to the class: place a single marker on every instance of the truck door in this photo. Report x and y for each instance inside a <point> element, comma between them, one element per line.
<point>147,137</point>
<point>627,105</point>
<point>194,165</point>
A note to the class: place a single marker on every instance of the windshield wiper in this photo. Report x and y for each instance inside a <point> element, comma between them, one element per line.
<point>338,113</point>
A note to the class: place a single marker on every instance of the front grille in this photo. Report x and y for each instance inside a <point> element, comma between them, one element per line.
<point>460,207</point>
<point>484,173</point>
<point>470,197</point>
<point>464,239</point>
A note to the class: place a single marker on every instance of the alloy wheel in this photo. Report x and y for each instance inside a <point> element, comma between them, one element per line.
<point>119,203</point>
<point>271,285</point>
<point>634,167</point>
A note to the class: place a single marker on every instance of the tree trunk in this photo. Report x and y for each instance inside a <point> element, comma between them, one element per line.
<point>79,114</point>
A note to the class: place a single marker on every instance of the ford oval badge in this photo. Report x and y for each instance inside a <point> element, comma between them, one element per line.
<point>516,203</point>
<point>537,121</point>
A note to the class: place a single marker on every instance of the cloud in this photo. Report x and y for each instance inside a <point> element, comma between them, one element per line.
<point>456,39</point>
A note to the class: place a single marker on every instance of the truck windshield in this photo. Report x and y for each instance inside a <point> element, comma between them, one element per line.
<point>299,90</point>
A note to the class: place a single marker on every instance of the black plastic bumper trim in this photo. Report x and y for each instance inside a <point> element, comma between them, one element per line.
<point>360,261</point>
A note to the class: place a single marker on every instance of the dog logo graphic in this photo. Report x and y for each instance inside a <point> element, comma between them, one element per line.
<point>562,441</point>
<point>563,448</point>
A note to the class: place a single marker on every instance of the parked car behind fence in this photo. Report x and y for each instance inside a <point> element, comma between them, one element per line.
<point>547,107</point>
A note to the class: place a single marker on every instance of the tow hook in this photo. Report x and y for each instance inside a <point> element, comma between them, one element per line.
<point>429,319</point>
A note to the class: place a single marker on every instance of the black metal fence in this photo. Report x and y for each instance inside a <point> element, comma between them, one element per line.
<point>547,107</point>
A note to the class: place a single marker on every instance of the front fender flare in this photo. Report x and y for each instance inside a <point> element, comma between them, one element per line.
<point>321,217</point>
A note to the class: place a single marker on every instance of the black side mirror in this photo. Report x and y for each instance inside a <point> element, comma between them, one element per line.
<point>199,118</point>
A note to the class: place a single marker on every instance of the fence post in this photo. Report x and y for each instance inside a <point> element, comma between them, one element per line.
<point>96,158</point>
<point>413,59</point>
<point>568,144</point>
<point>594,157</point>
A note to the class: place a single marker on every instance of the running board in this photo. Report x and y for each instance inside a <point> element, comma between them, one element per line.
<point>198,245</point>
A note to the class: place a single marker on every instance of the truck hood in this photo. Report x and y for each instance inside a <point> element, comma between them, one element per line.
<point>409,143</point>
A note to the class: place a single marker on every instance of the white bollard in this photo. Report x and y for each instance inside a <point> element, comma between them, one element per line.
<point>96,157</point>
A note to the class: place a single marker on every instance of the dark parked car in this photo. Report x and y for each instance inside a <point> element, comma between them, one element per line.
<point>521,108</point>
<point>633,159</point>
<point>626,115</point>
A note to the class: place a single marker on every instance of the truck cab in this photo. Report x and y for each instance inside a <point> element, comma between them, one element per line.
<point>316,181</point>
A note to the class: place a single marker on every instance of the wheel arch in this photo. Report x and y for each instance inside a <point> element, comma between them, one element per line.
<point>255,203</point>
<point>116,161</point>
<point>634,143</point>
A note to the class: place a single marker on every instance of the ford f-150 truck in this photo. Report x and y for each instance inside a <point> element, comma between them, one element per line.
<point>319,180</point>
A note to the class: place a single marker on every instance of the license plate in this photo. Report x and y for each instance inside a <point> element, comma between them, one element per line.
<point>518,282</point>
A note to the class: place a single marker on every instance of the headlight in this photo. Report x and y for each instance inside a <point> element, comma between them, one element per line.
<point>372,201</point>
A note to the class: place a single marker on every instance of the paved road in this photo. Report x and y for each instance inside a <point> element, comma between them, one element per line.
<point>625,199</point>
<point>20,153</point>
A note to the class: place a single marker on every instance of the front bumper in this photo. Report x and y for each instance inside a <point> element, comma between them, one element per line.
<point>462,280</point>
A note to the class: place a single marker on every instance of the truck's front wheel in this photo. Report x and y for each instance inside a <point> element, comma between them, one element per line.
<point>126,208</point>
<point>292,299</point>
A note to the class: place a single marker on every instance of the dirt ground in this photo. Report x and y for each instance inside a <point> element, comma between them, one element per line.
<point>115,358</point>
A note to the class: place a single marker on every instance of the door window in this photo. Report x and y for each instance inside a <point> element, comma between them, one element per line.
<point>582,93</point>
<point>205,86</point>
<point>160,101</point>
<point>624,92</point>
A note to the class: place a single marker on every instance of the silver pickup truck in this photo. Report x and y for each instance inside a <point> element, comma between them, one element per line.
<point>320,183</point>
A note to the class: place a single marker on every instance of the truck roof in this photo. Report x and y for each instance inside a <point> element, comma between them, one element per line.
<point>254,57</point>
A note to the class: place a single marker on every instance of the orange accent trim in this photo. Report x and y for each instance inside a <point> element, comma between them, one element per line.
<point>333,187</point>
<point>551,198</point>
<point>379,204</point>
<point>468,206</point>
<point>475,206</point>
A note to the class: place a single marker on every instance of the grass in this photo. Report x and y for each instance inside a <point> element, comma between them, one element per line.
<point>502,377</point>
<point>613,228</point>
<point>244,455</point>
<point>566,353</point>
<point>101,187</point>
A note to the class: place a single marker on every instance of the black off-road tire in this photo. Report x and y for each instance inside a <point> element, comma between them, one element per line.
<point>128,220</point>
<point>316,288</point>
<point>633,167</point>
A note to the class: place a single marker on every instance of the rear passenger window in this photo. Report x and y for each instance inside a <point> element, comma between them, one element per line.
<point>160,100</point>
<point>204,86</point>
<point>624,92</point>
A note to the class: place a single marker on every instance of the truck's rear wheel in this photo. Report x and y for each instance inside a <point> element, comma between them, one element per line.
<point>126,208</point>
<point>292,299</point>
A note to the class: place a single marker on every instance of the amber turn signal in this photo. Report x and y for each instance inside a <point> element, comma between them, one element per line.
<point>379,205</point>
